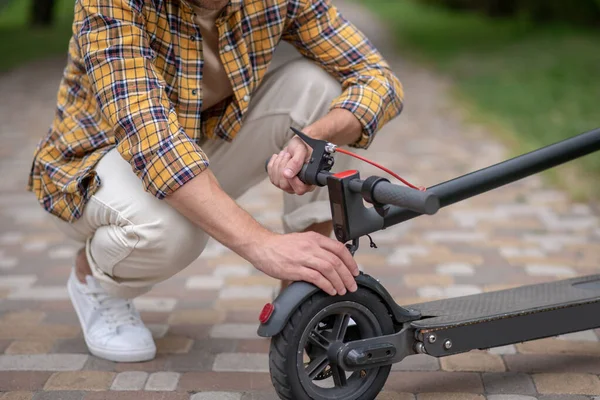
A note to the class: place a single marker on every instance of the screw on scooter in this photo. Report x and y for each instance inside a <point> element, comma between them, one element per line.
<point>317,354</point>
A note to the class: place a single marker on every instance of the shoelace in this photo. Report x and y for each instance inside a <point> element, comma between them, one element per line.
<point>116,312</point>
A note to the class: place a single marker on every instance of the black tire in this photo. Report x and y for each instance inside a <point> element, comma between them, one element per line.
<point>287,347</point>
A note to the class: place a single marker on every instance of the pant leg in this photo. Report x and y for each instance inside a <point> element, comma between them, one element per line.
<point>133,240</point>
<point>296,94</point>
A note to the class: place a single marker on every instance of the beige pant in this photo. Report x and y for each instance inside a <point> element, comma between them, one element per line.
<point>134,241</point>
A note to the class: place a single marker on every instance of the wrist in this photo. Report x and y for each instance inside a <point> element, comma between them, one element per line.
<point>252,249</point>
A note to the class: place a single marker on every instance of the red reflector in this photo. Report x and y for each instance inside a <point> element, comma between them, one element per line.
<point>345,174</point>
<point>266,312</point>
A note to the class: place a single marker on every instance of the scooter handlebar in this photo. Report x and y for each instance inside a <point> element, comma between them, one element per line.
<point>423,202</point>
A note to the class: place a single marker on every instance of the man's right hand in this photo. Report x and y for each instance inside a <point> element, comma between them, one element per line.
<point>309,257</point>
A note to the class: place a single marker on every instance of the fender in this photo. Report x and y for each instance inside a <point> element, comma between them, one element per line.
<point>291,298</point>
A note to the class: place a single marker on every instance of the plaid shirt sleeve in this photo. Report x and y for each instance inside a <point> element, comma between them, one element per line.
<point>131,94</point>
<point>370,89</point>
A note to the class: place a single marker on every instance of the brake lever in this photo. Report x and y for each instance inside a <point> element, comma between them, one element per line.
<point>321,158</point>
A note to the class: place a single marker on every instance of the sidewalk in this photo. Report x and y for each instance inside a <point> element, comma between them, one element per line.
<point>205,318</point>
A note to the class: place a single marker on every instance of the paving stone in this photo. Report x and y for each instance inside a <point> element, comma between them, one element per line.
<point>420,280</point>
<point>29,347</point>
<point>158,330</point>
<point>129,380</point>
<point>155,304</point>
<point>473,361</point>
<point>448,292</point>
<point>507,383</point>
<point>60,395</point>
<point>234,331</point>
<point>455,269</point>
<point>434,382</point>
<point>501,350</point>
<point>454,236</point>
<point>549,270</point>
<point>567,383</point>
<point>552,363</point>
<point>17,281</point>
<point>395,396</point>
<point>23,380</point>
<point>216,396</point>
<point>417,362</point>
<point>114,395</point>
<point>99,364</point>
<point>241,362</point>
<point>158,364</point>
<point>80,380</point>
<point>48,332</point>
<point>246,292</point>
<point>197,316</point>
<point>24,317</point>
<point>402,255</point>
<point>584,336</point>
<point>162,381</point>
<point>204,282</point>
<point>253,346</point>
<point>563,397</point>
<point>450,396</point>
<point>225,381</point>
<point>40,293</point>
<point>62,252</point>
<point>42,362</point>
<point>173,345</point>
<point>232,270</point>
<point>17,396</point>
<point>554,346</point>
<point>510,397</point>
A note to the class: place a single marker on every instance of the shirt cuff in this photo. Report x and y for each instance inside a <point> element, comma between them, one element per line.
<point>177,160</point>
<point>367,106</point>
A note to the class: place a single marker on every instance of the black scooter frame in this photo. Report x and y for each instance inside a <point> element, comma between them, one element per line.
<point>420,329</point>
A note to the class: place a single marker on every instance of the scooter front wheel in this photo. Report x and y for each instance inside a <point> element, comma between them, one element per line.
<point>301,362</point>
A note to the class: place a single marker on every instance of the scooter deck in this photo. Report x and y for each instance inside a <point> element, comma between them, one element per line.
<point>509,303</point>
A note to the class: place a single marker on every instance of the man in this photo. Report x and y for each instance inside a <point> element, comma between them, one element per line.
<point>152,91</point>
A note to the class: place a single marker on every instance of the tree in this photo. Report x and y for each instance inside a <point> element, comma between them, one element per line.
<point>42,12</point>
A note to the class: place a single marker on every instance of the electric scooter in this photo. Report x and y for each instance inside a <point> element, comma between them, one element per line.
<point>342,347</point>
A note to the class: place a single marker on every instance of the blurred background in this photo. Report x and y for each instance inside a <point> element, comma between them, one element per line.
<point>528,69</point>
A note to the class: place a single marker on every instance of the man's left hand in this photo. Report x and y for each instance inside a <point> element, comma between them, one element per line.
<point>284,167</point>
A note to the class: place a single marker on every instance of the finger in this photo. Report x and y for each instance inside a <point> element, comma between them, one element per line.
<point>314,277</point>
<point>277,169</point>
<point>271,168</point>
<point>294,165</point>
<point>319,263</point>
<point>343,272</point>
<point>299,187</point>
<point>283,181</point>
<point>341,251</point>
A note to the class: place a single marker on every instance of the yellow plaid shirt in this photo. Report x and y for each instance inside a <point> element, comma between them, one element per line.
<point>134,80</point>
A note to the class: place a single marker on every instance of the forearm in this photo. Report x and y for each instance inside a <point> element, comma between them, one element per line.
<point>205,203</point>
<point>339,126</point>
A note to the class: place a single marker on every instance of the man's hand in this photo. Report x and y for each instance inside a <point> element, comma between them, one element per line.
<point>284,167</point>
<point>309,257</point>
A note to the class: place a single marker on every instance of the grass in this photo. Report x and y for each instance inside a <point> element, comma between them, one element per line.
<point>20,43</point>
<point>534,85</point>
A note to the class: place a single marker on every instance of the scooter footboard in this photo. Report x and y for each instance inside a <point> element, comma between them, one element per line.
<point>493,319</point>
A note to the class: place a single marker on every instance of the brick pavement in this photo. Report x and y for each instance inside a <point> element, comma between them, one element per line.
<point>205,318</point>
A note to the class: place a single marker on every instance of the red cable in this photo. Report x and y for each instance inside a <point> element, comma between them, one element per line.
<point>421,188</point>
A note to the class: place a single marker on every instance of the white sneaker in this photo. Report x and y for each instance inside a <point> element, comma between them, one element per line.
<point>111,326</point>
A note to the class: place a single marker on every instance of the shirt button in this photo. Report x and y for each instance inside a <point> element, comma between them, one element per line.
<point>193,38</point>
<point>246,98</point>
<point>228,48</point>
<point>194,92</point>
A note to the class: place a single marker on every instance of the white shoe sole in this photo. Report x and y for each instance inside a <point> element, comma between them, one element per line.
<point>107,354</point>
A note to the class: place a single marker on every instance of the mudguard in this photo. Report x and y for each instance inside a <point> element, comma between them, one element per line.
<point>290,299</point>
